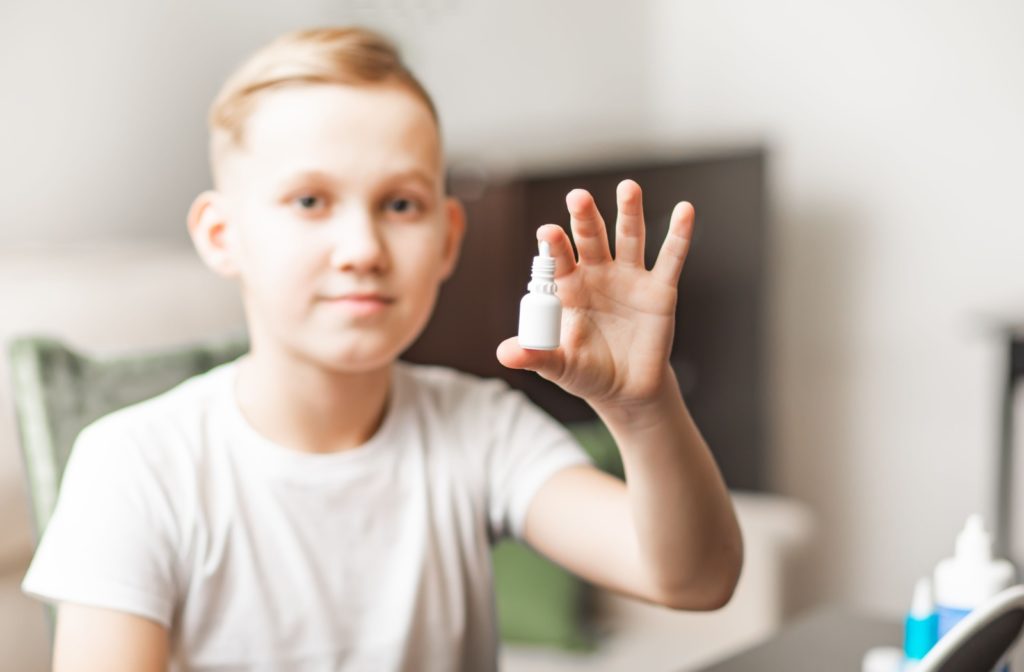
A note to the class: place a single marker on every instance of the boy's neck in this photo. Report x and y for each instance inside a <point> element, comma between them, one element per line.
<point>297,404</point>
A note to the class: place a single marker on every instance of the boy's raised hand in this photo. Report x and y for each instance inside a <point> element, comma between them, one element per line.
<point>668,531</point>
<point>618,318</point>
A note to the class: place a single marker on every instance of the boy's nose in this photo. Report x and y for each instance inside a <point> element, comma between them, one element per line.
<point>358,245</point>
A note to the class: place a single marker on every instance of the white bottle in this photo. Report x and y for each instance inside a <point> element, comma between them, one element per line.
<point>540,311</point>
<point>969,578</point>
<point>882,659</point>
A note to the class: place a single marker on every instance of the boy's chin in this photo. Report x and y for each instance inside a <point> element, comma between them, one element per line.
<point>344,350</point>
<point>357,359</point>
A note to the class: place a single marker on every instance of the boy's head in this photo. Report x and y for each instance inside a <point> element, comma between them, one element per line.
<point>329,203</point>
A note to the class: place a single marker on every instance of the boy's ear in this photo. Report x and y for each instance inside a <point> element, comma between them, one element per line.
<point>208,226</point>
<point>455,230</point>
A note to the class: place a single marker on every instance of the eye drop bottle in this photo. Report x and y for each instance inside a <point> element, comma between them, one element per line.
<point>921,626</point>
<point>969,578</point>
<point>540,311</point>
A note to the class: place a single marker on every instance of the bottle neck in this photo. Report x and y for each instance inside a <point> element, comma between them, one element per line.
<point>542,276</point>
<point>542,286</point>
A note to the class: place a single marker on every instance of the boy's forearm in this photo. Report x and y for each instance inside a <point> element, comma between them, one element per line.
<point>685,524</point>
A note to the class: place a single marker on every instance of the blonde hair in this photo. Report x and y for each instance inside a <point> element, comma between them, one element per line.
<point>341,55</point>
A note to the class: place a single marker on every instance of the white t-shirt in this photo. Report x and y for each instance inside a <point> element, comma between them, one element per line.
<point>261,557</point>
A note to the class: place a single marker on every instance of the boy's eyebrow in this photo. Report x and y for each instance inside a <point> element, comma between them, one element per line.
<point>414,174</point>
<point>321,176</point>
<point>304,176</point>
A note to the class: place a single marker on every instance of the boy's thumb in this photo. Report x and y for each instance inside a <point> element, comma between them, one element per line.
<point>514,357</point>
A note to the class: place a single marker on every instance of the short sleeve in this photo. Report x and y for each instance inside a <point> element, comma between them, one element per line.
<point>527,446</point>
<point>110,542</point>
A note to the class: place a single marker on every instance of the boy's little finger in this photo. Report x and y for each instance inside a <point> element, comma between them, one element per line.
<point>676,245</point>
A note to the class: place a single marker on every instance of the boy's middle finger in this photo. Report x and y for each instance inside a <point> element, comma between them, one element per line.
<point>588,228</point>
<point>629,227</point>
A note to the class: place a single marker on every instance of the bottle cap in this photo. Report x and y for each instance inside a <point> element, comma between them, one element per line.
<point>543,263</point>
<point>974,544</point>
<point>923,604</point>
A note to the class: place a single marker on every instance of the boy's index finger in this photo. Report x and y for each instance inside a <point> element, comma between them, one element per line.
<point>588,228</point>
<point>561,248</point>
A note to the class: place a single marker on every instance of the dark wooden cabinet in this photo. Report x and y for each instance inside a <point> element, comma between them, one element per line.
<point>719,348</point>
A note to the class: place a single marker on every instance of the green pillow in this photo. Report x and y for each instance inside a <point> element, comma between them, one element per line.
<point>539,602</point>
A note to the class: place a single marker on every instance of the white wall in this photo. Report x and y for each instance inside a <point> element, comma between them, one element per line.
<point>897,140</point>
<point>896,154</point>
<point>103,108</point>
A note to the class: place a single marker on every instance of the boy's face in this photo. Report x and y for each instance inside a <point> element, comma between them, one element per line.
<point>333,217</point>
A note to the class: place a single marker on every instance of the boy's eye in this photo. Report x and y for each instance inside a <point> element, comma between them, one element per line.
<point>404,206</point>
<point>308,202</point>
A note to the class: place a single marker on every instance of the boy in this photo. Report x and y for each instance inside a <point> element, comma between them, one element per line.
<point>317,504</point>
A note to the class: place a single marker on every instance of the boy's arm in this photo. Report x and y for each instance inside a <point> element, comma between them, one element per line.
<point>91,639</point>
<point>669,534</point>
<point>670,537</point>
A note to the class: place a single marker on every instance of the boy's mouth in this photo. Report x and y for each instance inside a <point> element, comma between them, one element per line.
<point>361,304</point>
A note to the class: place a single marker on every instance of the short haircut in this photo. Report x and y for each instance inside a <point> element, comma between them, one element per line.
<point>341,55</point>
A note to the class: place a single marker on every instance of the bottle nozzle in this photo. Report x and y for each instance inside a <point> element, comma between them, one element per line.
<point>923,603</point>
<point>974,544</point>
<point>544,264</point>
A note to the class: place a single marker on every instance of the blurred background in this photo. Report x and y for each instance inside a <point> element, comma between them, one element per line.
<point>888,144</point>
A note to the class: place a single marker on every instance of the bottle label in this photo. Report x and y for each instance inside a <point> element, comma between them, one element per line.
<point>948,617</point>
